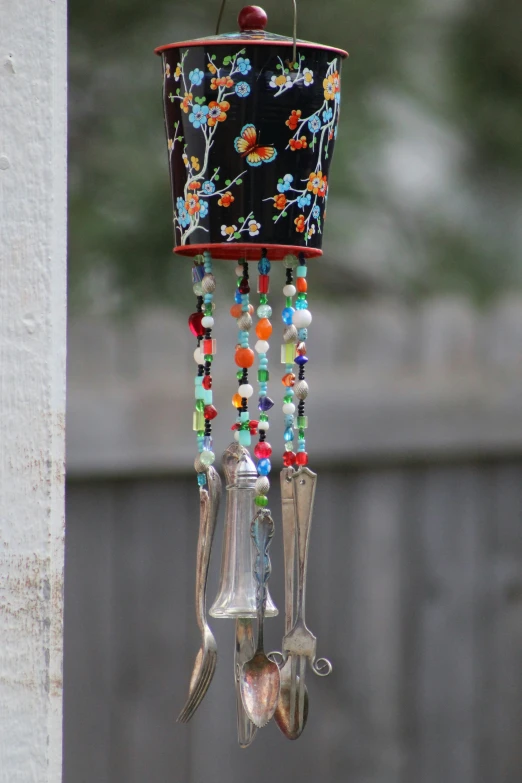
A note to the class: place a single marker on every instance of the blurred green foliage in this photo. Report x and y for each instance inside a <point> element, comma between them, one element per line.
<point>426,193</point>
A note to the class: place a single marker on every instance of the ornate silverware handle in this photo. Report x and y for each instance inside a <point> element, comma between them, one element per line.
<point>304,482</point>
<point>208,511</point>
<point>288,518</point>
<point>262,531</point>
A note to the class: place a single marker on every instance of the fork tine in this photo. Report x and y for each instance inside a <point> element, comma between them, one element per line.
<point>199,692</point>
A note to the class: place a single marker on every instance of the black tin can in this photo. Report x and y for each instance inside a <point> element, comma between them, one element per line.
<point>251,133</point>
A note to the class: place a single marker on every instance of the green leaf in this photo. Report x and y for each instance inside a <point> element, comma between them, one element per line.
<point>213,57</point>
<point>237,235</point>
<point>285,214</point>
<point>241,220</point>
<point>279,66</point>
<point>239,181</point>
<point>216,177</point>
<point>280,181</point>
<point>203,100</point>
<point>227,60</point>
<point>228,182</point>
<point>275,217</point>
<point>178,91</point>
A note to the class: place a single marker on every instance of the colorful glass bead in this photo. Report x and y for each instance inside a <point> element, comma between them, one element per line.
<point>265,403</point>
<point>291,261</point>
<point>195,325</point>
<point>288,379</point>
<point>253,424</point>
<point>301,458</point>
<point>202,479</point>
<point>302,422</point>
<point>289,290</point>
<point>264,329</point>
<point>302,318</point>
<point>210,412</point>
<point>207,458</point>
<point>244,357</point>
<point>264,467</point>
<point>237,309</point>
<point>287,353</point>
<point>301,285</point>
<point>264,266</point>
<point>199,356</point>
<point>209,347</point>
<point>262,346</point>
<point>263,376</point>
<point>264,311</point>
<point>289,459</point>
<point>263,284</point>
<point>301,271</point>
<point>245,437</point>
<point>244,287</point>
<point>288,314</point>
<point>200,405</point>
<point>207,322</point>
<point>261,501</point>
<point>301,349</point>
<point>237,401</point>
<point>301,360</point>
<point>263,450</point>
<point>198,273</point>
<point>207,382</point>
<point>198,289</point>
<point>246,390</point>
<point>288,434</point>
<point>289,408</point>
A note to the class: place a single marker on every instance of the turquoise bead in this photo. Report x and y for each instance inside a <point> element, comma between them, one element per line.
<point>244,416</point>
<point>207,396</point>
<point>289,434</point>
<point>301,271</point>
<point>245,438</point>
<point>202,479</point>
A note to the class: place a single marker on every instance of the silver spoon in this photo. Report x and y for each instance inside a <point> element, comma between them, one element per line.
<point>245,649</point>
<point>260,681</point>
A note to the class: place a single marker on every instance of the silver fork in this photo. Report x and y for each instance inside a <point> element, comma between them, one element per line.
<point>206,659</point>
<point>300,644</point>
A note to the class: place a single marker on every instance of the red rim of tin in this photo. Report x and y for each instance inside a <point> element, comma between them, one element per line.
<point>250,42</point>
<point>252,252</point>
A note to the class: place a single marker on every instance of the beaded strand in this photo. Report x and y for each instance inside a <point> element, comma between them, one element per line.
<point>263,449</point>
<point>287,358</point>
<point>244,357</point>
<point>201,324</point>
<point>301,319</point>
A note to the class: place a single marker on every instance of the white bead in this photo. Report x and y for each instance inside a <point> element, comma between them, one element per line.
<point>302,318</point>
<point>289,408</point>
<point>207,322</point>
<point>246,390</point>
<point>262,346</point>
<point>239,271</point>
<point>263,426</point>
<point>199,356</point>
<point>236,435</point>
<point>289,290</point>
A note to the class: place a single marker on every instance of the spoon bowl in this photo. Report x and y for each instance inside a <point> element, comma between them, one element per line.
<point>282,715</point>
<point>260,688</point>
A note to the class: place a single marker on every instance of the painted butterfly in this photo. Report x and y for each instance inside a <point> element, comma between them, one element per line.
<point>248,148</point>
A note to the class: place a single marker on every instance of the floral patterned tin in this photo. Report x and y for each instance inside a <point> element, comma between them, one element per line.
<point>250,135</point>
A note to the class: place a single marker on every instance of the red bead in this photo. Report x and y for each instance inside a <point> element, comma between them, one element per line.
<point>301,458</point>
<point>210,412</point>
<point>244,287</point>
<point>254,424</point>
<point>289,459</point>
<point>195,326</point>
<point>263,285</point>
<point>301,349</point>
<point>234,427</point>
<point>263,450</point>
<point>207,382</point>
<point>252,17</point>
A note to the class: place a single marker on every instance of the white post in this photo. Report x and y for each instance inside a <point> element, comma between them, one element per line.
<point>32,386</point>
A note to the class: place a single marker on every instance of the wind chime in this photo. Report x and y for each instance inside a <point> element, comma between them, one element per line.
<point>251,121</point>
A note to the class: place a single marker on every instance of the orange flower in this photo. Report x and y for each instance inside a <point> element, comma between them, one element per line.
<point>280,201</point>
<point>316,183</point>
<point>177,72</point>
<point>226,199</point>
<point>195,163</point>
<point>185,103</point>
<point>194,185</point>
<point>332,85</point>
<point>212,68</point>
<point>300,223</point>
<point>293,120</point>
<point>217,112</point>
<point>298,144</point>
<point>324,188</point>
<point>222,81</point>
<point>192,204</point>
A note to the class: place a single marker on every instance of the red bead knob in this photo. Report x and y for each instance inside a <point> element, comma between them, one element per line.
<point>252,17</point>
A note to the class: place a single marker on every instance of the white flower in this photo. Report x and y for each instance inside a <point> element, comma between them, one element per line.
<point>308,76</point>
<point>279,80</point>
<point>253,228</point>
<point>228,232</point>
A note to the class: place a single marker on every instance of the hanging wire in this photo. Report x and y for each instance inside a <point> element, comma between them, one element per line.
<point>222,11</point>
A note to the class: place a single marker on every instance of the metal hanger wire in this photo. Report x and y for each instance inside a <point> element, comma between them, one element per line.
<point>222,12</point>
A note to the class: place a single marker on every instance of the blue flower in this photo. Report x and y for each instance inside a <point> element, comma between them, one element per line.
<point>243,64</point>
<point>286,184</point>
<point>327,115</point>
<point>183,215</point>
<point>208,187</point>
<point>180,204</point>
<point>314,124</point>
<point>199,116</point>
<point>242,89</point>
<point>196,76</point>
<point>203,212</point>
<point>304,201</point>
<point>338,97</point>
<point>316,212</point>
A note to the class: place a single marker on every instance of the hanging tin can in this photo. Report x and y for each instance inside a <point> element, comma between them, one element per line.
<point>251,121</point>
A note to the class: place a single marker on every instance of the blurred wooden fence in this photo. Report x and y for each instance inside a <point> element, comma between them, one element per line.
<point>416,565</point>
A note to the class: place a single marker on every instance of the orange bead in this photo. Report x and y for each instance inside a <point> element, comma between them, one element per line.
<point>301,285</point>
<point>264,329</point>
<point>244,357</point>
<point>236,310</point>
<point>237,401</point>
<point>289,379</point>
